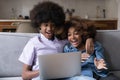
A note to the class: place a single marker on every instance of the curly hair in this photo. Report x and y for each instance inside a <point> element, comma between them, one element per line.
<point>76,22</point>
<point>47,11</point>
<point>84,27</point>
<point>89,30</point>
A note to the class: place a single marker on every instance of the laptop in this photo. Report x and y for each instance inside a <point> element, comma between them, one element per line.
<point>60,65</point>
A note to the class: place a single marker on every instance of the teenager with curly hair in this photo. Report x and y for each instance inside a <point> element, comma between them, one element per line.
<point>93,64</point>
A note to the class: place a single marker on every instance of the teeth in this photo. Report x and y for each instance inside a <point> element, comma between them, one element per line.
<point>48,32</point>
<point>74,41</point>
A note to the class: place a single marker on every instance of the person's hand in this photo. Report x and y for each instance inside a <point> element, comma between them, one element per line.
<point>100,64</point>
<point>89,46</point>
<point>84,57</point>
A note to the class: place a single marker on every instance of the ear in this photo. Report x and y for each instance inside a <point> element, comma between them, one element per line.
<point>39,28</point>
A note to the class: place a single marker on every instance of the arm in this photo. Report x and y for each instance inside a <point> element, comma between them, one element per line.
<point>89,46</point>
<point>99,61</point>
<point>27,73</point>
<point>89,38</point>
<point>27,57</point>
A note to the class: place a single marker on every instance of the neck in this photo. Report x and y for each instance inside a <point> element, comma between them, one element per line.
<point>52,38</point>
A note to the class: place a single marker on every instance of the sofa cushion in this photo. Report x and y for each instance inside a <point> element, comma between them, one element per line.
<point>110,40</point>
<point>11,78</point>
<point>117,73</point>
<point>11,46</point>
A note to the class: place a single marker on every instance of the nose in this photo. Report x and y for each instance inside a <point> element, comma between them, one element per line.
<point>50,27</point>
<point>72,36</point>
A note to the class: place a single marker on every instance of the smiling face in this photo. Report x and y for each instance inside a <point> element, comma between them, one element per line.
<point>74,37</point>
<point>47,29</point>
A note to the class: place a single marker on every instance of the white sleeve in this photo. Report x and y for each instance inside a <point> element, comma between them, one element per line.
<point>28,54</point>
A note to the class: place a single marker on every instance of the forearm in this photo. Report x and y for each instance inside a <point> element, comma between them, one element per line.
<point>27,75</point>
<point>89,46</point>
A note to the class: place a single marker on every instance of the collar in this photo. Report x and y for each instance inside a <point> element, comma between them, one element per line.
<point>43,38</point>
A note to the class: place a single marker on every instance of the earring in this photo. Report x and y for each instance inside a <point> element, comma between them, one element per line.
<point>39,28</point>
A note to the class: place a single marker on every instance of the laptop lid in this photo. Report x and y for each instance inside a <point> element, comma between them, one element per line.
<point>60,65</point>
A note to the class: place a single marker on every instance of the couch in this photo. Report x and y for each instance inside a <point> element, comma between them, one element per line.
<point>12,44</point>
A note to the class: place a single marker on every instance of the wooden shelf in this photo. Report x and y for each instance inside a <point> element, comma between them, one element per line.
<point>106,24</point>
<point>103,24</point>
<point>7,27</point>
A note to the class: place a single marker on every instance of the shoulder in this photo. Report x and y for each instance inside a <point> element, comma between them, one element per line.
<point>34,38</point>
<point>64,41</point>
<point>67,45</point>
<point>98,46</point>
<point>32,41</point>
<point>69,48</point>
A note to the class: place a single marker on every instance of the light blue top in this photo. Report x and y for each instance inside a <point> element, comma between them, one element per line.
<point>88,66</point>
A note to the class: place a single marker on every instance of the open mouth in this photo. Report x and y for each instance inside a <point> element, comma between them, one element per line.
<point>74,42</point>
<point>49,34</point>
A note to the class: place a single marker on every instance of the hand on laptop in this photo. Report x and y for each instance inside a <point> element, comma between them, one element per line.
<point>84,56</point>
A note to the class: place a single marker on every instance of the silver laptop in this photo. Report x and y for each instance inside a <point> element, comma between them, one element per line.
<point>61,65</point>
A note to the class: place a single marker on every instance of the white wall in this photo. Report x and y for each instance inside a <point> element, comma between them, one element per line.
<point>118,2</point>
<point>23,7</point>
<point>27,5</point>
<point>7,5</point>
<point>111,8</point>
<point>82,7</point>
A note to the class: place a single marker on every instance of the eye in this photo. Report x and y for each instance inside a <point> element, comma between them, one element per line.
<point>76,32</point>
<point>69,34</point>
<point>45,24</point>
